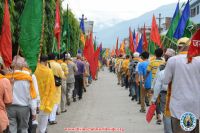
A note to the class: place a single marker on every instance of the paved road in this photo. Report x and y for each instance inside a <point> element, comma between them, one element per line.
<point>105,105</point>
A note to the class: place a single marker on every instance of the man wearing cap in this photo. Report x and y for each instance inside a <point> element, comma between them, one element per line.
<point>132,76</point>
<point>72,68</point>
<point>5,100</point>
<point>185,86</point>
<point>161,89</point>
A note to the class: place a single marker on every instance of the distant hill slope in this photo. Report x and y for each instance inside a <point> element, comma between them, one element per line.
<point>108,36</point>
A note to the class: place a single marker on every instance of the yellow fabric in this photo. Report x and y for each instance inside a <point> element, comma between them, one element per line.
<point>64,68</point>
<point>167,112</point>
<point>153,66</point>
<point>83,39</point>
<point>57,71</point>
<point>125,65</point>
<point>47,88</point>
<point>1,76</point>
<point>138,59</point>
<point>23,76</point>
<point>184,52</point>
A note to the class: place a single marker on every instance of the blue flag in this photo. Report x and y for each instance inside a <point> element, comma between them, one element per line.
<point>134,39</point>
<point>140,44</point>
<point>183,22</point>
<point>176,11</point>
<point>82,25</point>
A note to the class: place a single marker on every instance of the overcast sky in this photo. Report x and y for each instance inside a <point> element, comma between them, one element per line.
<point>109,12</point>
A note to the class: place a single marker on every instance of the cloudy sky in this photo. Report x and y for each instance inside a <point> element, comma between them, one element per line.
<point>109,12</point>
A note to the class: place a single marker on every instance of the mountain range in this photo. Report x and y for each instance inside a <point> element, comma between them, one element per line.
<point>109,35</point>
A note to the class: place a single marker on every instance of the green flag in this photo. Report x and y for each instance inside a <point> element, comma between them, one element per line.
<point>64,35</point>
<point>188,29</point>
<point>152,47</point>
<point>30,32</point>
<point>95,44</point>
<point>174,23</point>
<point>128,51</point>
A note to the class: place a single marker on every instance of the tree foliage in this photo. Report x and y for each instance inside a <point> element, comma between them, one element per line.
<point>73,32</point>
<point>16,8</point>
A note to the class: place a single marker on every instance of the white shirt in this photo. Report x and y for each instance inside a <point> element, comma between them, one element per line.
<point>35,102</point>
<point>159,85</point>
<point>21,93</point>
<point>185,95</point>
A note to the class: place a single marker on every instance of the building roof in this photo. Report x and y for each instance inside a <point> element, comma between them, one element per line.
<point>194,3</point>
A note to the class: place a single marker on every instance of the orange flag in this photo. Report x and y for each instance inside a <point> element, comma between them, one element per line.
<point>155,36</point>
<point>83,39</point>
<point>122,48</point>
<point>117,50</point>
<point>5,38</point>
<point>131,41</point>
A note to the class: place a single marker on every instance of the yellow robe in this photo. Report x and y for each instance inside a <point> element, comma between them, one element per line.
<point>57,70</point>
<point>64,68</point>
<point>47,88</point>
<point>125,65</point>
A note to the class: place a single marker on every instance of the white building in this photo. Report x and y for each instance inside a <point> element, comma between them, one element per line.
<point>89,27</point>
<point>195,11</point>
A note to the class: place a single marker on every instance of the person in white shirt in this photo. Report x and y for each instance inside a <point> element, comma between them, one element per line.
<point>185,96</point>
<point>19,110</point>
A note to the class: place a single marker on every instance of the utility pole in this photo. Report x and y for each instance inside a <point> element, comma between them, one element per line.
<point>160,20</point>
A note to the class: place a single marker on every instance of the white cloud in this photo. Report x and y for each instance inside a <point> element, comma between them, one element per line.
<point>109,12</point>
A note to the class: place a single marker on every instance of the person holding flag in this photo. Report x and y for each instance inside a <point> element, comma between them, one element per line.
<point>183,79</point>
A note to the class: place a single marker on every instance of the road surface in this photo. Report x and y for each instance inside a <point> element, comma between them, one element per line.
<point>105,104</point>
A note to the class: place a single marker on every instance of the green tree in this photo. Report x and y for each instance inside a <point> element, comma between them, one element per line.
<point>73,33</point>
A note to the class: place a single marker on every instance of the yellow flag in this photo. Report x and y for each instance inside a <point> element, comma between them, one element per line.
<point>83,39</point>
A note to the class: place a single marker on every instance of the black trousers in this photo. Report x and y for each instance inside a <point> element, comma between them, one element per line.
<point>78,89</point>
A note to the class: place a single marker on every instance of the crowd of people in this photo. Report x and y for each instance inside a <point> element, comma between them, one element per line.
<point>31,101</point>
<point>166,80</point>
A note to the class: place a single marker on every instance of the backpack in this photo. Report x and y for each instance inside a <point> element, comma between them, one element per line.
<point>132,70</point>
<point>58,80</point>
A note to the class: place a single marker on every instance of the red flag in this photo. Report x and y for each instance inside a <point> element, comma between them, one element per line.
<point>131,41</point>
<point>88,50</point>
<point>194,49</point>
<point>117,50</point>
<point>5,39</point>
<point>145,42</point>
<point>94,63</point>
<point>155,36</point>
<point>150,113</point>
<point>57,28</point>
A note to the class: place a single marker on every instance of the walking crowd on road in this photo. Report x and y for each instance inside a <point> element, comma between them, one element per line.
<point>165,80</point>
<point>29,102</point>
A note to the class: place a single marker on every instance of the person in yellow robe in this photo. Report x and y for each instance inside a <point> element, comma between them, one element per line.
<point>64,84</point>
<point>125,67</point>
<point>57,71</point>
<point>47,90</point>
